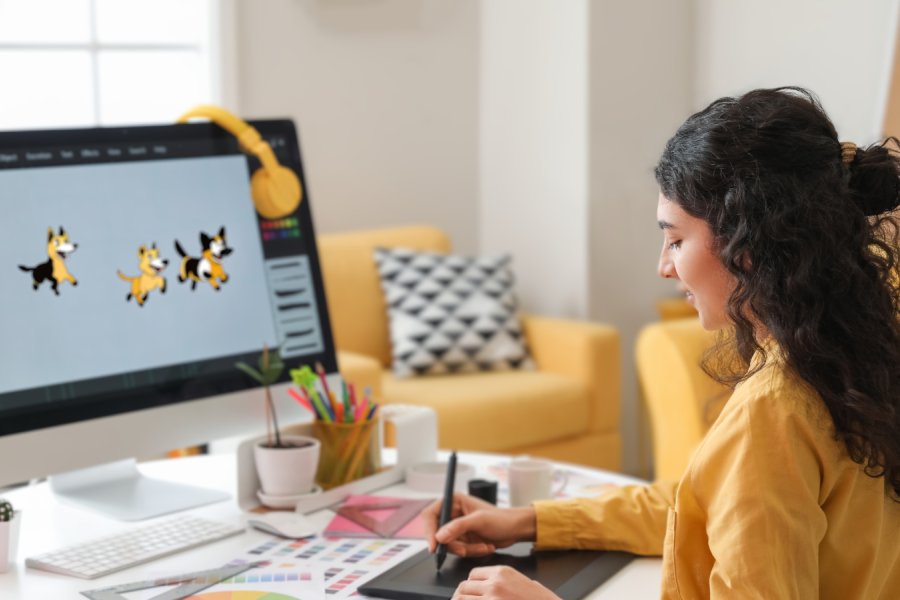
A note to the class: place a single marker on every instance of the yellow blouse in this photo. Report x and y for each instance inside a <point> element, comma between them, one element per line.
<point>770,507</point>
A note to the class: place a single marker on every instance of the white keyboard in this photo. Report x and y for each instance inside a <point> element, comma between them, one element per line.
<point>124,550</point>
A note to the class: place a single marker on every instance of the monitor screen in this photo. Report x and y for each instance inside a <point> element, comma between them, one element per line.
<point>136,271</point>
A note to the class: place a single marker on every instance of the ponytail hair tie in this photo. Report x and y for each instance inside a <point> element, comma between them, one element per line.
<point>848,151</point>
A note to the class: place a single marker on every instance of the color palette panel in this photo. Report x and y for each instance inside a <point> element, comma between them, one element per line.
<point>280,229</point>
<point>279,224</point>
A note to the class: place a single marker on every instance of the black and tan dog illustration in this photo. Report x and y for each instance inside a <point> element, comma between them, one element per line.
<point>151,266</point>
<point>54,270</point>
<point>209,266</point>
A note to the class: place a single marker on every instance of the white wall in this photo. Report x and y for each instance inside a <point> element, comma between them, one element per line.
<point>533,147</point>
<point>384,96</point>
<point>641,78</point>
<point>840,50</point>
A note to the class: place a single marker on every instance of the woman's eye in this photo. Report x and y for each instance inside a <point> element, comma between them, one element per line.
<point>675,245</point>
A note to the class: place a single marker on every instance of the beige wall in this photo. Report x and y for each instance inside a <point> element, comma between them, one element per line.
<point>640,92</point>
<point>384,94</point>
<point>533,132</point>
<point>841,50</point>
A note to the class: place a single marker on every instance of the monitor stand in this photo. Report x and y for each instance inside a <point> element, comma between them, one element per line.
<point>119,491</point>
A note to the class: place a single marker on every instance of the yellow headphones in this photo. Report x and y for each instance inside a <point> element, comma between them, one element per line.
<point>275,189</point>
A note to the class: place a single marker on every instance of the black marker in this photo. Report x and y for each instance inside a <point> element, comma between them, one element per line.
<point>447,508</point>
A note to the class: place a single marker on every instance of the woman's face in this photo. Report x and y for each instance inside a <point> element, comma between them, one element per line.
<point>688,257</point>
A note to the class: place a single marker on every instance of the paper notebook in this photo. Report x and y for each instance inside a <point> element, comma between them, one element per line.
<point>378,517</point>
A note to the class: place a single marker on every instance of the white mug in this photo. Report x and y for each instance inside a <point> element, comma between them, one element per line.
<point>531,479</point>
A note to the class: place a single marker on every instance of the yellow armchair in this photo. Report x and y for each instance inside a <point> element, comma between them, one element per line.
<point>566,410</point>
<point>682,400</point>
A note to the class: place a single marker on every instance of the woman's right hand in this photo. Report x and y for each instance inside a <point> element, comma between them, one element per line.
<point>477,527</point>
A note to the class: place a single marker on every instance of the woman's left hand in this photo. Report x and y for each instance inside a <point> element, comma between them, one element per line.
<point>501,583</point>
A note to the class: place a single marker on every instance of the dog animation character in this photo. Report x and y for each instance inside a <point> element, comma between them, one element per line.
<point>151,266</point>
<point>54,270</point>
<point>209,266</point>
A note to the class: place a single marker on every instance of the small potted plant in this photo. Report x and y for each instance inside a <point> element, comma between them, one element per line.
<point>10,520</point>
<point>286,464</point>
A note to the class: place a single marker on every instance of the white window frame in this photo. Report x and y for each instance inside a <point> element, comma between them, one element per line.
<point>217,50</point>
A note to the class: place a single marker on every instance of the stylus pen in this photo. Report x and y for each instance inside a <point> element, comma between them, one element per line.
<point>446,508</point>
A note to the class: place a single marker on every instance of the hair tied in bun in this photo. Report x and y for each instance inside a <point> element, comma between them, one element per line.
<point>875,178</point>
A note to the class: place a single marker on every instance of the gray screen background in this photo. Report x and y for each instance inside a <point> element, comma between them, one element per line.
<point>110,210</point>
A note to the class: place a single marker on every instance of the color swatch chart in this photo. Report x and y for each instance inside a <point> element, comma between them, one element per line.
<point>288,581</point>
<point>364,553</point>
<point>283,573</point>
<point>283,548</point>
<point>338,553</point>
<point>344,563</point>
<point>392,553</point>
<point>313,550</point>
<point>345,580</point>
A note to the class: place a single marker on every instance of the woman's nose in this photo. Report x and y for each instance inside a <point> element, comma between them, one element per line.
<point>666,266</point>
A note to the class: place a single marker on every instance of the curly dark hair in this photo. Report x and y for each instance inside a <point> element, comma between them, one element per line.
<point>812,245</point>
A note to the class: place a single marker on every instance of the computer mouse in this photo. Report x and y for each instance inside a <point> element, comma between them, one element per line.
<point>285,524</point>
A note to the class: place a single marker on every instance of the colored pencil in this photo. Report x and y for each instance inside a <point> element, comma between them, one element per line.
<point>363,408</point>
<point>321,372</point>
<point>327,416</point>
<point>348,409</point>
<point>353,396</point>
<point>334,402</point>
<point>358,405</point>
<point>326,398</point>
<point>303,401</point>
<point>372,412</point>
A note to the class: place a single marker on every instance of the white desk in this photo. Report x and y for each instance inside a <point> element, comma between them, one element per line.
<point>48,525</point>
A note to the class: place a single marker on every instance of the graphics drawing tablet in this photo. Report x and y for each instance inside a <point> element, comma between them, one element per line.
<point>570,574</point>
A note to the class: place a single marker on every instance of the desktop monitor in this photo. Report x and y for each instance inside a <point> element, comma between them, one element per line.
<point>135,273</point>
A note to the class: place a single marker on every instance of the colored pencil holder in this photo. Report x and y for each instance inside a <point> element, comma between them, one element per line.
<point>350,451</point>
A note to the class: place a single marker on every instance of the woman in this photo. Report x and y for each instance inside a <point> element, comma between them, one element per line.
<point>778,233</point>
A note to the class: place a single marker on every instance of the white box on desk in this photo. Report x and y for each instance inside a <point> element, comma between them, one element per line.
<point>9,541</point>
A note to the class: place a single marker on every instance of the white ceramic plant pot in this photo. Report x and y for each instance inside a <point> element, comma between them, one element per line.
<point>288,471</point>
<point>9,541</point>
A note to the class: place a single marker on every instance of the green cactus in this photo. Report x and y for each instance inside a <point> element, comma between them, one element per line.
<point>6,511</point>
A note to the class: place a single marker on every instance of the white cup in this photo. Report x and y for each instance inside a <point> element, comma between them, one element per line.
<point>531,479</point>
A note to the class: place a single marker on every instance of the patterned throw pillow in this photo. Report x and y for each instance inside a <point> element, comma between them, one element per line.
<point>450,314</point>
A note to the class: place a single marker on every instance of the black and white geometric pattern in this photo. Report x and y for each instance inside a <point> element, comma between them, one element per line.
<point>451,314</point>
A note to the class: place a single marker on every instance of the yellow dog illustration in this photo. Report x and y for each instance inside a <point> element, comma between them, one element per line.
<point>209,266</point>
<point>151,265</point>
<point>54,270</point>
